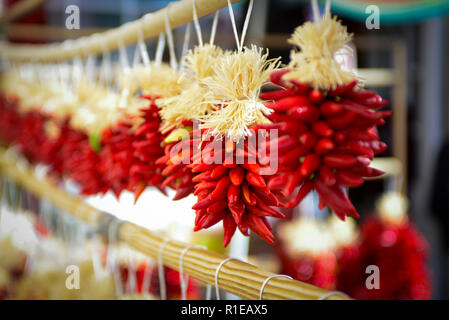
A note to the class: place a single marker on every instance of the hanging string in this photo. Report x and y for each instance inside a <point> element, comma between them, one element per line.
<point>185,44</point>
<point>123,57</point>
<point>315,10</point>
<point>264,283</point>
<point>234,27</point>
<point>142,47</point>
<point>159,50</point>
<point>327,7</point>
<point>111,257</point>
<point>217,271</point>
<point>90,67</point>
<point>171,44</point>
<point>183,281</point>
<point>196,23</point>
<point>332,293</point>
<point>105,68</point>
<point>208,292</point>
<point>146,282</point>
<point>245,24</point>
<point>161,273</point>
<point>77,70</point>
<point>132,281</point>
<point>213,29</point>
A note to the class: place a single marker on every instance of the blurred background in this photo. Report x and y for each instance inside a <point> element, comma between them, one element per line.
<point>403,58</point>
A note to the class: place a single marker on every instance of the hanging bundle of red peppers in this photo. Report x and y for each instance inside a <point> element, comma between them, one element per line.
<point>232,191</point>
<point>327,125</point>
<point>227,169</point>
<point>178,113</point>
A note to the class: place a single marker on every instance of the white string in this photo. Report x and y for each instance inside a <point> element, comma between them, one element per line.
<point>315,10</point>
<point>234,27</point>
<point>142,47</point>
<point>185,44</point>
<point>327,8</point>
<point>196,23</point>
<point>332,293</point>
<point>209,292</point>
<point>171,44</point>
<point>183,281</point>
<point>264,283</point>
<point>161,273</point>
<point>213,29</point>
<point>110,259</point>
<point>77,70</point>
<point>159,50</point>
<point>147,276</point>
<point>217,289</point>
<point>245,24</point>
<point>132,281</point>
<point>104,69</point>
<point>90,67</point>
<point>123,56</point>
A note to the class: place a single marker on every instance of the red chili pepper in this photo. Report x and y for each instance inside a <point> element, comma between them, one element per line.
<point>255,180</point>
<point>378,146</point>
<point>322,128</point>
<point>316,96</point>
<point>253,167</point>
<point>336,199</point>
<point>204,185</point>
<point>284,142</point>
<point>278,94</point>
<point>324,146</point>
<point>237,175</point>
<point>304,190</point>
<point>293,128</point>
<point>247,195</point>
<point>220,190</point>
<point>203,203</point>
<point>276,76</point>
<point>301,88</point>
<point>343,120</point>
<point>269,198</point>
<point>340,137</point>
<point>218,172</point>
<point>287,103</point>
<point>209,220</point>
<point>217,206</point>
<point>311,164</point>
<point>305,113</point>
<point>349,179</point>
<point>361,110</point>
<point>294,180</point>
<point>308,139</point>
<point>258,226</point>
<point>274,213</point>
<point>356,148</point>
<point>331,109</point>
<point>357,134</point>
<point>237,210</point>
<point>338,160</point>
<point>293,155</point>
<point>233,194</point>
<point>229,227</point>
<point>327,176</point>
<point>343,89</point>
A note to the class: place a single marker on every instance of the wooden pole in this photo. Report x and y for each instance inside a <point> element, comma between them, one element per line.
<point>236,277</point>
<point>151,25</point>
